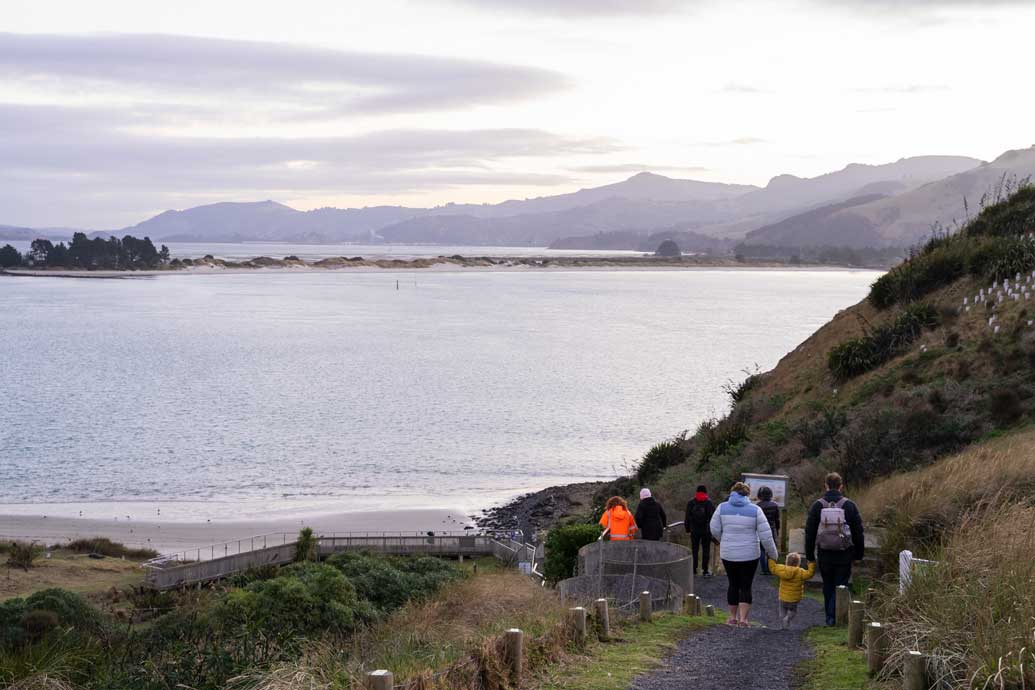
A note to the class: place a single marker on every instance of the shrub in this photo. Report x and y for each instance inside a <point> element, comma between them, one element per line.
<point>387,583</point>
<point>738,391</point>
<point>661,456</point>
<point>878,345</point>
<point>107,547</point>
<point>719,437</point>
<point>38,623</point>
<point>562,549</point>
<point>305,548</point>
<point>1005,406</point>
<point>22,555</point>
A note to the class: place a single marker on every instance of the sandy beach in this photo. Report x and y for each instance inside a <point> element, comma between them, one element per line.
<point>168,537</point>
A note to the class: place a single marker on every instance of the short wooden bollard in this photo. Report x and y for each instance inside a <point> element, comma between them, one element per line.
<point>856,611</point>
<point>698,606</point>
<point>602,617</point>
<point>578,622</point>
<point>709,610</point>
<point>841,600</point>
<point>690,605</point>
<point>876,648</point>
<point>914,672</point>
<point>515,654</point>
<point>380,680</point>
<point>645,606</point>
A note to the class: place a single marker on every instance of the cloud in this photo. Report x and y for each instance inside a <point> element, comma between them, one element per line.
<point>904,89</point>
<point>739,141</point>
<point>586,8</point>
<point>313,81</point>
<point>57,157</point>
<point>735,87</point>
<point>639,167</point>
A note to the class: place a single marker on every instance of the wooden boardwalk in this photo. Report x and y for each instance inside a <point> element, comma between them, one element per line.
<point>215,562</point>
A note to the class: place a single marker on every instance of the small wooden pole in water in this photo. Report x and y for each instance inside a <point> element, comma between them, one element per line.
<point>645,606</point>
<point>856,611</point>
<point>914,672</point>
<point>515,654</point>
<point>841,603</point>
<point>578,619</point>
<point>602,617</point>
<point>709,610</point>
<point>876,648</point>
<point>380,680</point>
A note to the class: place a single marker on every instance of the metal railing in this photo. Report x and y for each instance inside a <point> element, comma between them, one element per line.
<point>211,552</point>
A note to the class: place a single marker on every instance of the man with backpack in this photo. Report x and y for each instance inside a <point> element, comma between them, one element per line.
<point>771,510</point>
<point>834,532</point>
<point>697,523</point>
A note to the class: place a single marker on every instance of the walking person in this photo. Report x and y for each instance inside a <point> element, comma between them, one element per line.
<point>650,517</point>
<point>699,511</point>
<point>740,526</point>
<point>618,519</point>
<point>772,514</point>
<point>792,585</point>
<point>834,537</point>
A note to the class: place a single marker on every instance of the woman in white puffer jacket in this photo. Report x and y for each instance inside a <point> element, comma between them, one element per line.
<point>740,526</point>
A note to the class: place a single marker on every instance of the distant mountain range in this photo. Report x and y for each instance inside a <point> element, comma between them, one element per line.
<point>859,206</point>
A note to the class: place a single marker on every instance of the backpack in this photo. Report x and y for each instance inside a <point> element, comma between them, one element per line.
<point>833,533</point>
<point>699,512</point>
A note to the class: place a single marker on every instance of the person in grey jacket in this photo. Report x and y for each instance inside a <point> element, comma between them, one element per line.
<point>740,526</point>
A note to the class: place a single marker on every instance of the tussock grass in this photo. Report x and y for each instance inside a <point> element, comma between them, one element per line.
<point>974,611</point>
<point>106,547</point>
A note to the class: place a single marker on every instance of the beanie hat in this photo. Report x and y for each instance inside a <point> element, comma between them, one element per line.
<point>702,488</point>
<point>644,493</point>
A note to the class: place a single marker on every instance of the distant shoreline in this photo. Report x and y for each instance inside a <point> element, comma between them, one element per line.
<point>213,266</point>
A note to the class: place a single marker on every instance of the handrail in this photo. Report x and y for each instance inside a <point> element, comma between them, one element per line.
<point>675,524</point>
<point>607,530</point>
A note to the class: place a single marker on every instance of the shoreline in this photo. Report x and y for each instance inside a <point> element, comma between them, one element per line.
<point>452,264</point>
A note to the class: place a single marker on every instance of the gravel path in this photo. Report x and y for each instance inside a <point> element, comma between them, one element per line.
<point>724,658</point>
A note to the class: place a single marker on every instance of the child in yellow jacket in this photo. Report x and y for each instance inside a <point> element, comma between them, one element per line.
<point>792,584</point>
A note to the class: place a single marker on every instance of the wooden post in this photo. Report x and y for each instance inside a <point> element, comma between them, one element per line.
<point>645,606</point>
<point>876,648</point>
<point>709,610</point>
<point>841,603</point>
<point>914,672</point>
<point>856,611</point>
<point>578,619</point>
<point>698,606</point>
<point>380,680</point>
<point>605,624</point>
<point>515,654</point>
<point>690,605</point>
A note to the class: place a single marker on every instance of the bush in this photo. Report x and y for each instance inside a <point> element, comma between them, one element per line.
<point>388,584</point>
<point>875,347</point>
<point>38,623</point>
<point>22,555</point>
<point>660,457</point>
<point>305,548</point>
<point>107,547</point>
<point>719,438</point>
<point>562,549</point>
<point>1005,407</point>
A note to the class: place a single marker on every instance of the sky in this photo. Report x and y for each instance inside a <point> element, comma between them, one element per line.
<point>114,110</point>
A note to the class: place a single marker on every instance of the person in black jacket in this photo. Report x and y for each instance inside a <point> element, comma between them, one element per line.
<point>835,564</point>
<point>772,514</point>
<point>650,517</point>
<point>699,510</point>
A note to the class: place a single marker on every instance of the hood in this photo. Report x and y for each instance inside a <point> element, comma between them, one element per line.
<point>739,500</point>
<point>648,500</point>
<point>701,496</point>
<point>619,512</point>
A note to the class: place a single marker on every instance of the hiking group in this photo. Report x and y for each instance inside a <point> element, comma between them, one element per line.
<point>745,532</point>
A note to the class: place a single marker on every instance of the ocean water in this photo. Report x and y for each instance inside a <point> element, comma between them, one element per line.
<point>263,394</point>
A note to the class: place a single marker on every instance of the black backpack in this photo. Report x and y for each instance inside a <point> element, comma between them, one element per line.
<point>699,511</point>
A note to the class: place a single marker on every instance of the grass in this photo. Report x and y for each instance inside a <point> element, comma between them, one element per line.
<point>638,647</point>
<point>74,572</point>
<point>835,667</point>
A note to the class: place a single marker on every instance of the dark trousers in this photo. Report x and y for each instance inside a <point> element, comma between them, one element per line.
<point>740,575</point>
<point>763,563</point>
<point>834,574</point>
<point>704,542</point>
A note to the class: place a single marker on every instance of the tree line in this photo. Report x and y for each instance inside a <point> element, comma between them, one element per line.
<point>128,253</point>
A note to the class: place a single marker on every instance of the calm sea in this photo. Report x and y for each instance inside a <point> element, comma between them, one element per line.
<point>264,394</point>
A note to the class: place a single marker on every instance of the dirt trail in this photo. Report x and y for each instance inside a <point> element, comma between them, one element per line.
<point>721,657</point>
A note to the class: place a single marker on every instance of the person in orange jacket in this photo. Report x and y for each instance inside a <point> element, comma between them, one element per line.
<point>618,519</point>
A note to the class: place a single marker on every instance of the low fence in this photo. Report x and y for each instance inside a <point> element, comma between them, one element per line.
<point>217,561</point>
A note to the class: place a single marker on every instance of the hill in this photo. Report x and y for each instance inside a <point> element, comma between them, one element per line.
<point>904,219</point>
<point>925,392</point>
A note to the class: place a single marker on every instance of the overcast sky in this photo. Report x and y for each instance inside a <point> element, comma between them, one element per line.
<point>113,110</point>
